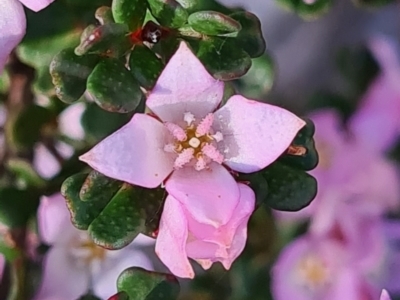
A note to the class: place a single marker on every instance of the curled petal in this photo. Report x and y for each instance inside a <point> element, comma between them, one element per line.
<point>135,153</point>
<point>185,86</point>
<point>210,196</point>
<point>171,239</point>
<point>255,133</point>
<point>12,25</point>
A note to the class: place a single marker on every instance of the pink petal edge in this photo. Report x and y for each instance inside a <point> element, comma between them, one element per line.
<point>36,5</point>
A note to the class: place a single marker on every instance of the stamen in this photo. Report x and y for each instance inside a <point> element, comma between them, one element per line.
<point>183,158</point>
<point>200,164</point>
<point>176,131</point>
<point>194,142</point>
<point>218,136</point>
<point>188,118</point>
<point>205,125</point>
<point>170,148</point>
<point>212,153</point>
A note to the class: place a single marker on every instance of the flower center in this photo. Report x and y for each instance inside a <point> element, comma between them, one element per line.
<point>195,144</point>
<point>85,252</point>
<point>313,273</point>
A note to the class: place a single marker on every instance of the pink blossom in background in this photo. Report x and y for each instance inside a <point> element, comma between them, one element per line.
<point>385,295</point>
<point>74,263</point>
<point>13,24</point>
<point>190,144</point>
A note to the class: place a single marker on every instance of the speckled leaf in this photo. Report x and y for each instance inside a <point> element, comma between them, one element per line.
<point>110,40</point>
<point>152,202</point>
<point>250,37</point>
<point>310,9</point>
<point>98,186</point>
<point>130,12</point>
<point>307,156</point>
<point>82,212</point>
<point>104,15</point>
<point>258,184</point>
<point>113,87</point>
<point>120,221</point>
<point>141,284</point>
<point>222,58</point>
<point>69,73</point>
<point>259,79</point>
<point>289,189</point>
<point>213,23</point>
<point>168,12</point>
<point>145,66</point>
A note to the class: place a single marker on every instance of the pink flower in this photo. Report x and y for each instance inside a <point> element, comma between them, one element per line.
<point>13,24</point>
<point>385,295</point>
<point>74,263</point>
<point>188,144</point>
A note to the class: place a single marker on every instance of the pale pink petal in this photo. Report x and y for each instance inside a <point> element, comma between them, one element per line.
<point>171,239</point>
<point>385,295</point>
<point>44,162</point>
<point>135,153</point>
<point>210,196</point>
<point>255,133</point>
<point>53,218</point>
<point>61,277</point>
<point>12,28</point>
<point>69,121</point>
<point>36,5</point>
<point>185,86</point>
<point>349,285</point>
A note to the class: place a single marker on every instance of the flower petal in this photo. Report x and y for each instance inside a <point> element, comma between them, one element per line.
<point>135,153</point>
<point>185,86</point>
<point>53,217</point>
<point>255,133</point>
<point>210,196</point>
<point>13,25</point>
<point>171,239</point>
<point>385,295</point>
<point>36,5</point>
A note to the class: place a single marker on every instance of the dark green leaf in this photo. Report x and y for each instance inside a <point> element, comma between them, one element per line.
<point>145,66</point>
<point>259,79</point>
<point>69,73</point>
<point>229,91</point>
<point>82,212</point>
<point>16,206</point>
<point>141,284</point>
<point>258,184</point>
<point>306,157</point>
<point>104,15</point>
<point>24,171</point>
<point>222,58</point>
<point>308,10</point>
<point>94,125</point>
<point>250,38</point>
<point>168,12</point>
<point>130,12</point>
<point>99,187</point>
<point>120,221</point>
<point>196,5</point>
<point>111,40</point>
<point>26,129</point>
<point>213,23</point>
<point>113,87</point>
<point>289,189</point>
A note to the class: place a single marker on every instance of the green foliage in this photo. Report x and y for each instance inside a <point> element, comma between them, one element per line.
<point>309,9</point>
<point>213,23</point>
<point>130,12</point>
<point>168,12</point>
<point>141,284</point>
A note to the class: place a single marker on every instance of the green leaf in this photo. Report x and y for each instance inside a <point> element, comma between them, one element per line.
<point>26,128</point>
<point>310,9</point>
<point>307,158</point>
<point>250,37</point>
<point>83,213</point>
<point>104,15</point>
<point>196,5</point>
<point>258,184</point>
<point>130,12</point>
<point>141,284</point>
<point>289,189</point>
<point>17,206</point>
<point>113,87</point>
<point>145,66</point>
<point>24,171</point>
<point>222,58</point>
<point>69,73</point>
<point>168,12</point>
<point>120,221</point>
<point>213,23</point>
<point>110,39</point>
<point>99,187</point>
<point>259,79</point>
<point>93,122</point>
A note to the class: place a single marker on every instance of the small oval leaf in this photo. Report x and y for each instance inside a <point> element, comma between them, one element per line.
<point>213,23</point>
<point>168,12</point>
